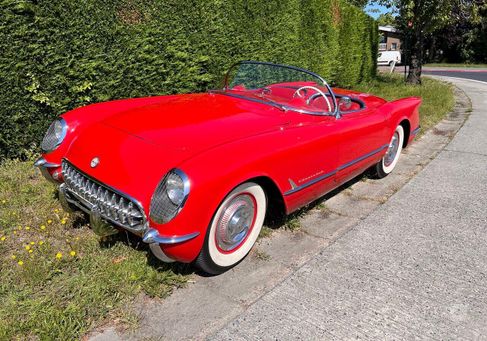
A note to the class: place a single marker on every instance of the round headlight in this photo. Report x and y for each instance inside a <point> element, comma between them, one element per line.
<point>169,196</point>
<point>54,135</point>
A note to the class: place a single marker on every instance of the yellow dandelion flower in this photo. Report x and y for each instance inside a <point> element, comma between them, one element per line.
<point>30,251</point>
<point>4,201</point>
<point>63,221</point>
<point>20,263</point>
<point>13,256</point>
<point>72,253</point>
<point>56,210</point>
<point>3,238</point>
<point>43,227</point>
<point>49,221</point>
<point>20,228</point>
<point>15,232</point>
<point>27,227</point>
<point>59,255</point>
<point>32,243</point>
<point>27,247</point>
<point>41,242</point>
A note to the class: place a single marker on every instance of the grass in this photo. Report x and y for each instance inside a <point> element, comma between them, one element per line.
<point>59,281</point>
<point>438,98</point>
<point>459,65</point>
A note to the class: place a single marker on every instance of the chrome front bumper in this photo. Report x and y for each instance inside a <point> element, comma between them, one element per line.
<point>43,166</point>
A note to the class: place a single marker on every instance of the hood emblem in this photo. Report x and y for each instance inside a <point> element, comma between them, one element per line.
<point>94,162</point>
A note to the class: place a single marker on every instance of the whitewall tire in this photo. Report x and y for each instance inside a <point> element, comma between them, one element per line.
<point>233,229</point>
<point>387,164</point>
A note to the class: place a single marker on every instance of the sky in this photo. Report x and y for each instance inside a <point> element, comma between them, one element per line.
<point>375,10</point>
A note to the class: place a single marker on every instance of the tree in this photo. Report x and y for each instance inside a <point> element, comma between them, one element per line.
<point>416,18</point>
<point>359,3</point>
<point>464,39</point>
<point>386,19</point>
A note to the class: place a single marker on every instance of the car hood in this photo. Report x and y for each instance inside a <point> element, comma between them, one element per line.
<point>146,142</point>
<point>197,122</point>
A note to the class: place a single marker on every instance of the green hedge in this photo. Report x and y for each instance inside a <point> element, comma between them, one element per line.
<point>58,55</point>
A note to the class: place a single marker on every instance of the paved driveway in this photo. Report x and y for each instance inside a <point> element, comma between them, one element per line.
<point>416,268</point>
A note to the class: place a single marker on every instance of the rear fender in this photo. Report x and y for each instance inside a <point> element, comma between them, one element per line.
<point>400,110</point>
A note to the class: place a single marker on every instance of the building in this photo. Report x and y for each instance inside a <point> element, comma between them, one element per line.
<point>389,39</point>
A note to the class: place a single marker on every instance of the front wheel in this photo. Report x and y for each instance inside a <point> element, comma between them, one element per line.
<point>233,229</point>
<point>387,164</point>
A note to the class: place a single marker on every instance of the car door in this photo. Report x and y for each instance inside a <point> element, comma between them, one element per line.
<point>309,167</point>
<point>362,136</point>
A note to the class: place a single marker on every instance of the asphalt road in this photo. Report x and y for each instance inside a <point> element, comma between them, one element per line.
<point>414,269</point>
<point>470,73</point>
<point>479,75</point>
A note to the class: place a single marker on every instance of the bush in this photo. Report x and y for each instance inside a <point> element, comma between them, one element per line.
<point>58,55</point>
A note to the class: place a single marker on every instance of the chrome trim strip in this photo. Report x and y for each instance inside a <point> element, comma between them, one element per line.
<point>351,163</point>
<point>342,167</point>
<point>256,100</point>
<point>153,236</point>
<point>416,131</point>
<point>312,182</point>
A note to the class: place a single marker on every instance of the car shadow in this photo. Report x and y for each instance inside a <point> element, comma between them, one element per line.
<point>285,220</point>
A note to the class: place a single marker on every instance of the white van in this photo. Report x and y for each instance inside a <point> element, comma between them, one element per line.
<point>388,57</point>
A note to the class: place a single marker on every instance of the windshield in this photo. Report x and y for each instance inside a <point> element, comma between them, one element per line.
<point>287,87</point>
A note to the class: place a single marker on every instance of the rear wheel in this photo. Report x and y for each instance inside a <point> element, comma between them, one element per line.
<point>233,229</point>
<point>387,164</point>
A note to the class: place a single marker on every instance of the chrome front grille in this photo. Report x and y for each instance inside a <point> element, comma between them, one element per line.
<point>111,204</point>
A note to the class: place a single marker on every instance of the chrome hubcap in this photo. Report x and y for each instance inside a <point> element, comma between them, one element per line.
<point>392,150</point>
<point>235,222</point>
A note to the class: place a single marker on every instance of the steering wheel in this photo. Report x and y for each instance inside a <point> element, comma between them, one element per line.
<point>319,92</point>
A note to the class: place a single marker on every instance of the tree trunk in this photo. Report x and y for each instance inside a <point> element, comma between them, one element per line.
<point>416,60</point>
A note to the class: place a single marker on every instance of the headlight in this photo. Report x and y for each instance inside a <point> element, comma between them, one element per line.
<point>169,196</point>
<point>54,135</point>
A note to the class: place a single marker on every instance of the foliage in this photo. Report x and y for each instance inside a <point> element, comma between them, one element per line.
<point>58,55</point>
<point>386,19</point>
<point>58,280</point>
<point>464,38</point>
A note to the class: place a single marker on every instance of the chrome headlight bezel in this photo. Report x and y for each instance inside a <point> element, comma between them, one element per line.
<point>54,136</point>
<point>163,206</point>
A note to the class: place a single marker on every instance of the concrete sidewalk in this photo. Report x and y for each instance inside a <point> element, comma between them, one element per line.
<point>415,268</point>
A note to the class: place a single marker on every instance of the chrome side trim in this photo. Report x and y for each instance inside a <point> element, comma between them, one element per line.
<point>312,182</point>
<point>351,163</point>
<point>342,167</point>
<point>153,236</point>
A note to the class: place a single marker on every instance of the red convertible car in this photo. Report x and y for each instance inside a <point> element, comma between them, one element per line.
<point>196,175</point>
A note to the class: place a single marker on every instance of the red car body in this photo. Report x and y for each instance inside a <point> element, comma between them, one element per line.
<point>221,141</point>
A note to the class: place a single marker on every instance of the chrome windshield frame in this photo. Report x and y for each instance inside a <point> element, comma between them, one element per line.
<point>335,113</point>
